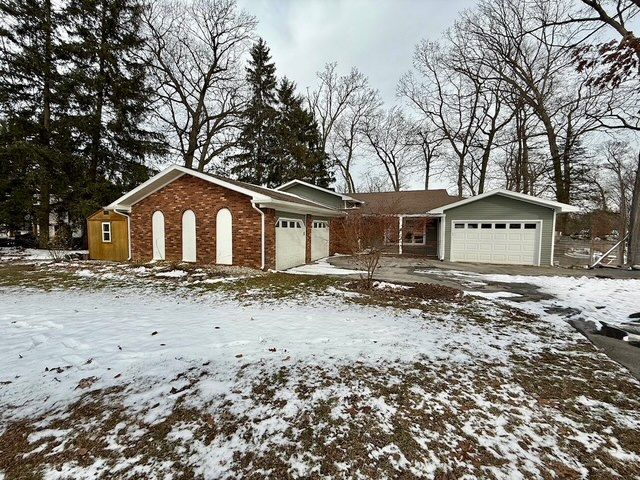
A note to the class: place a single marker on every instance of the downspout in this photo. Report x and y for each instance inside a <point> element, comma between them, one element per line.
<point>128,234</point>
<point>400,234</point>
<point>262,247</point>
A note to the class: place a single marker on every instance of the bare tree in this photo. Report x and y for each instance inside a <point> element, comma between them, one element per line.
<point>508,40</point>
<point>619,163</point>
<point>621,62</point>
<point>342,105</point>
<point>195,52</point>
<point>363,237</point>
<point>389,136</point>
<point>464,106</point>
<point>429,142</point>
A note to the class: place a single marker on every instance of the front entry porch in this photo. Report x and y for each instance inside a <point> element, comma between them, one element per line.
<point>415,235</point>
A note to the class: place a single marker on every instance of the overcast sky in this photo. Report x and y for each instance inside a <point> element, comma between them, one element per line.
<point>376,36</point>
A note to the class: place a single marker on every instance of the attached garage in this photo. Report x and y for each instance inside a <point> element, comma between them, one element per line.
<point>496,242</point>
<point>291,243</point>
<point>319,239</point>
<point>501,227</point>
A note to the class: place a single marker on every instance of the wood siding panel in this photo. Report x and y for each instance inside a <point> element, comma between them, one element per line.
<point>118,249</point>
<point>499,207</point>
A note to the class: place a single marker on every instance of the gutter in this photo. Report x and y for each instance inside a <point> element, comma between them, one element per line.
<point>263,235</point>
<point>299,208</point>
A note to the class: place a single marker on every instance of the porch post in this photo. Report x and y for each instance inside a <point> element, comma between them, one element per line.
<point>400,221</point>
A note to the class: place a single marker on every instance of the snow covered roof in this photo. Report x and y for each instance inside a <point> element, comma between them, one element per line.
<point>557,206</point>
<point>261,196</point>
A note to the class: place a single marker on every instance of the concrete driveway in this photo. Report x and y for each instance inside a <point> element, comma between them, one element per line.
<point>467,276</point>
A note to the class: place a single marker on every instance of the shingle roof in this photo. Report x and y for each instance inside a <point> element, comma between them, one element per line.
<point>269,192</point>
<point>408,202</point>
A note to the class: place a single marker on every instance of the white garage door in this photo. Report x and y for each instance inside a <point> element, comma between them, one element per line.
<point>319,239</point>
<point>496,242</point>
<point>290,243</point>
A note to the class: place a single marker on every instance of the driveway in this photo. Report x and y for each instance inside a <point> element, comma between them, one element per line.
<point>506,281</point>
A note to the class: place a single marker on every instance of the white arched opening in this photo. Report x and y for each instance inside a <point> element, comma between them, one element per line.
<point>224,237</point>
<point>189,236</point>
<point>157,229</point>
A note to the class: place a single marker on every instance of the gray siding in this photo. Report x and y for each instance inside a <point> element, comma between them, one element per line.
<point>315,195</point>
<point>499,207</point>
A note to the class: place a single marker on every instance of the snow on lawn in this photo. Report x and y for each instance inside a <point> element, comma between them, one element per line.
<point>10,254</point>
<point>139,382</point>
<point>594,299</point>
<point>322,267</point>
<point>48,350</point>
<point>598,299</point>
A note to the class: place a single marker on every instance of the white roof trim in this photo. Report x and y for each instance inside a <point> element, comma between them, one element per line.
<point>174,172</point>
<point>557,206</point>
<point>322,189</point>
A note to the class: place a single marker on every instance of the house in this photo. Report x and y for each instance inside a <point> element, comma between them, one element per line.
<point>499,226</point>
<point>185,215</point>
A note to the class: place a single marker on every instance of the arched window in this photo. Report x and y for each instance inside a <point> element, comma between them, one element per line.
<point>157,229</point>
<point>224,237</point>
<point>189,236</point>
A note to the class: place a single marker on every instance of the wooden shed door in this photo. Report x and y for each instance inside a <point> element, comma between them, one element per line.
<point>189,236</point>
<point>157,227</point>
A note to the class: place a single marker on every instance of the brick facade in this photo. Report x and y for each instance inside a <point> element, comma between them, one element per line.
<point>205,199</point>
<point>308,226</point>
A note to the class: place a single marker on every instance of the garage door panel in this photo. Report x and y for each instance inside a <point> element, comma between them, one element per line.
<point>319,239</point>
<point>290,243</point>
<point>496,245</point>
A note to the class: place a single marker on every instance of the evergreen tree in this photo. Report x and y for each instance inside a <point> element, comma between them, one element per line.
<point>34,143</point>
<point>257,141</point>
<point>298,151</point>
<point>110,98</point>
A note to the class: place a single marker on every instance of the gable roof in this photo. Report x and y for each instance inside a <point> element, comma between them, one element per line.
<point>343,196</point>
<point>557,206</point>
<point>408,202</point>
<point>262,196</point>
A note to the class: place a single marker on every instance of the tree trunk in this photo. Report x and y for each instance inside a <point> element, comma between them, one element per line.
<point>44,210</point>
<point>633,253</point>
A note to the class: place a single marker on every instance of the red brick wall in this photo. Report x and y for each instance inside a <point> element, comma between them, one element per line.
<point>336,233</point>
<point>309,224</point>
<point>205,199</point>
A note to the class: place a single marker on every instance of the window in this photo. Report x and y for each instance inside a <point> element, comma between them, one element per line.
<point>472,225</point>
<point>501,226</point>
<point>105,212</point>
<point>458,225</point>
<point>486,225</point>
<point>319,224</point>
<point>106,232</point>
<point>530,226</point>
<point>515,226</point>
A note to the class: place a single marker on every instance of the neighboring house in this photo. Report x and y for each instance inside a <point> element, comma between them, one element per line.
<point>185,215</point>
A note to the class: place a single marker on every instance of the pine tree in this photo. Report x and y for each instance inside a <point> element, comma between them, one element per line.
<point>257,139</point>
<point>109,98</point>
<point>298,152</point>
<point>34,136</point>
